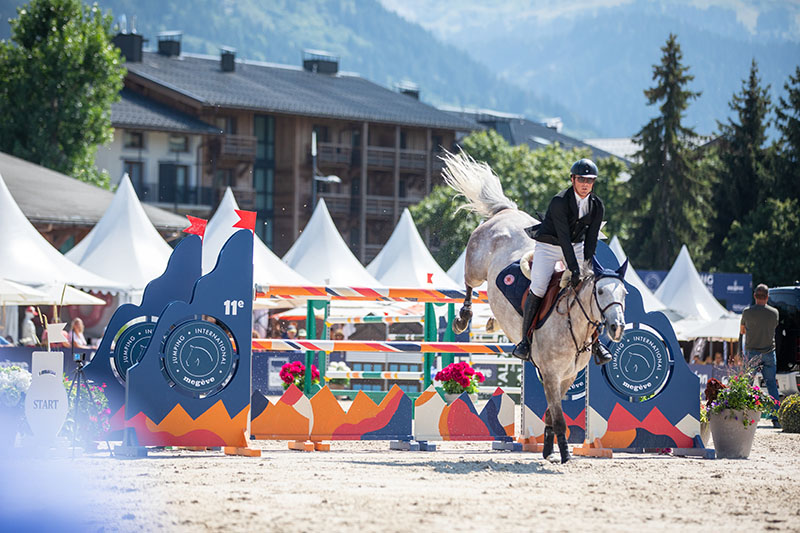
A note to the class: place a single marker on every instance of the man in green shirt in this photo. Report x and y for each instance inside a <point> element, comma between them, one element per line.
<point>758,327</point>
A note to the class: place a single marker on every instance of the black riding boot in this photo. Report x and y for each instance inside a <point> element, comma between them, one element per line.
<point>601,353</point>
<point>523,349</point>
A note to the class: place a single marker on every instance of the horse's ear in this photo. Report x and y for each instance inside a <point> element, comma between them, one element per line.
<point>621,270</point>
<point>597,268</point>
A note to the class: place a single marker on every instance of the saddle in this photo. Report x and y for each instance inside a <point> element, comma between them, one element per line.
<point>513,281</point>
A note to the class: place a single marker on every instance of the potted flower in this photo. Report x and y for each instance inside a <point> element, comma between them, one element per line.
<point>14,383</point>
<point>294,373</point>
<point>712,389</point>
<point>93,415</point>
<point>458,378</point>
<point>734,413</point>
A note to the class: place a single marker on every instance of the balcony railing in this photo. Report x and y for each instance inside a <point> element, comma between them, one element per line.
<point>340,203</point>
<point>380,205</point>
<point>412,159</point>
<point>380,157</point>
<point>408,201</point>
<point>335,154</point>
<point>199,196</point>
<point>238,147</point>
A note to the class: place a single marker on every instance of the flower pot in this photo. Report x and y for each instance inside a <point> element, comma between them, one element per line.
<point>732,439</point>
<point>450,398</point>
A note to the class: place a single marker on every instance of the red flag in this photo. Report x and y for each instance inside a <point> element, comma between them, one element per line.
<point>247,220</point>
<point>197,227</point>
<point>430,277</point>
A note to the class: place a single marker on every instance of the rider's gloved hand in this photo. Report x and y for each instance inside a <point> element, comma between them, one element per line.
<point>576,278</point>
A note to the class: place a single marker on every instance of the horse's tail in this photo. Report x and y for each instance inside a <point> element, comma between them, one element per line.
<point>477,183</point>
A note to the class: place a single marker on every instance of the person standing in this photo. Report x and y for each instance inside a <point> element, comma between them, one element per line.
<point>758,328</point>
<point>568,234</point>
<point>28,336</point>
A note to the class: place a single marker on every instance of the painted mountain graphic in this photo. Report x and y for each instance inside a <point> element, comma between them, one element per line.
<point>626,431</point>
<point>214,427</point>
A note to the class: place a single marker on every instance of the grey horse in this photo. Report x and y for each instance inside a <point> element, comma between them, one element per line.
<point>562,346</point>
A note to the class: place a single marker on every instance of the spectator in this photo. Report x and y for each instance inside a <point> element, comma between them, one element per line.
<point>28,336</point>
<point>75,338</point>
<point>301,334</point>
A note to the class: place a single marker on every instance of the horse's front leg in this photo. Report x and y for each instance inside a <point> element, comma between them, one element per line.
<point>549,435</point>
<point>552,391</point>
<point>464,314</point>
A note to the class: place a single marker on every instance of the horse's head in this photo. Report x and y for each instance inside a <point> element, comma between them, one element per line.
<point>609,293</point>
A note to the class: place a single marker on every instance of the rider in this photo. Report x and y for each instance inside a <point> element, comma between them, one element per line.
<point>569,234</point>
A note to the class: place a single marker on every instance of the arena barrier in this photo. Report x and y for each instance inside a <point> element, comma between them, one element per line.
<point>386,294</point>
<point>404,319</point>
<point>645,399</point>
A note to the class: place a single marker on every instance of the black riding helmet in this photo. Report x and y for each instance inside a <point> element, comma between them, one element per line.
<point>585,168</point>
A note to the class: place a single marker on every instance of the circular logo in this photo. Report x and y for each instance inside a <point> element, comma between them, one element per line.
<point>640,365</point>
<point>509,279</point>
<point>198,357</point>
<point>130,347</point>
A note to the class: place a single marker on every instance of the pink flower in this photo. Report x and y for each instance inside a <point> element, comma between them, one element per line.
<point>480,377</point>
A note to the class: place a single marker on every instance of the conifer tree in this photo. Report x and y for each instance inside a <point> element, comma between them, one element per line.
<point>744,179</point>
<point>668,196</point>
<point>787,169</point>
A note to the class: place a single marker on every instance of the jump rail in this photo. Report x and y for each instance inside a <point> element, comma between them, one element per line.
<point>385,294</point>
<point>283,345</point>
<point>414,319</point>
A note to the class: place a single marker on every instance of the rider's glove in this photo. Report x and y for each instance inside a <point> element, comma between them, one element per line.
<point>576,278</point>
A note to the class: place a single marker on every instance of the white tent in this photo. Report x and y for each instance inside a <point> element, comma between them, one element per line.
<point>684,292</point>
<point>28,258</point>
<point>18,294</point>
<point>124,245</point>
<point>456,271</point>
<point>405,261</point>
<point>58,294</point>
<point>651,303</point>
<point>321,255</point>
<point>268,269</point>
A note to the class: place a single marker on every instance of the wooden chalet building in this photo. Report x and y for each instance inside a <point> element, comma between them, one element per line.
<point>248,125</point>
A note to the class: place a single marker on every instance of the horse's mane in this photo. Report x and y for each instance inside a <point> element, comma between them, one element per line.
<point>476,182</point>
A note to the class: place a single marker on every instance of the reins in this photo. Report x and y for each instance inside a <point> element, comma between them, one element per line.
<point>594,325</point>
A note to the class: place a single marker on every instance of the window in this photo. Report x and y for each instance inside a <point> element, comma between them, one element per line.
<point>322,133</point>
<point>179,143</point>
<point>173,184</point>
<point>133,139</point>
<point>436,143</point>
<point>135,171</point>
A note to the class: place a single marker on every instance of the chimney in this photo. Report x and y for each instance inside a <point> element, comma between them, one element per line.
<point>169,43</point>
<point>130,45</point>
<point>408,88</point>
<point>227,59</point>
<point>554,123</point>
<point>320,62</point>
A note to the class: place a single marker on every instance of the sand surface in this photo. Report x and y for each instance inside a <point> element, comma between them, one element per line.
<point>363,486</point>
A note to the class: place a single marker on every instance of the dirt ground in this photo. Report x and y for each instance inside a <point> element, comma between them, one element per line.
<point>363,486</point>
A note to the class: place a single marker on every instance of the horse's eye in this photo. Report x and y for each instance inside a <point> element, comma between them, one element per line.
<point>600,292</point>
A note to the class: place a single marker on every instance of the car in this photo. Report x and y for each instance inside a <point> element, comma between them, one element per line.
<point>787,335</point>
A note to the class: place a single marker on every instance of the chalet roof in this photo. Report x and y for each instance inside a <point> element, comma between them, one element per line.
<point>47,196</point>
<point>273,88</point>
<point>137,111</point>
<point>516,129</point>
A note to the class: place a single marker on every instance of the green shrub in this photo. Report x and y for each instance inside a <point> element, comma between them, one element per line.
<point>789,414</point>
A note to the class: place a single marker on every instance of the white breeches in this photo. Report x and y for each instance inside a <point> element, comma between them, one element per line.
<point>545,258</point>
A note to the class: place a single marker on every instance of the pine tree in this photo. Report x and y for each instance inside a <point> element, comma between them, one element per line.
<point>745,180</point>
<point>788,162</point>
<point>669,196</point>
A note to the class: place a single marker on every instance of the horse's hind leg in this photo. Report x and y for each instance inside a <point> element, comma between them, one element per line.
<point>464,314</point>
<point>549,435</point>
<point>553,393</point>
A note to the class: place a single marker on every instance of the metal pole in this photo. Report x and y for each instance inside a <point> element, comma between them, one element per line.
<point>311,333</point>
<point>430,336</point>
<point>313,169</point>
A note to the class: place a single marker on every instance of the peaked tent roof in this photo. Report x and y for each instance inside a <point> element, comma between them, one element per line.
<point>268,269</point>
<point>404,261</point>
<point>321,255</point>
<point>28,257</point>
<point>651,303</point>
<point>683,291</point>
<point>124,245</point>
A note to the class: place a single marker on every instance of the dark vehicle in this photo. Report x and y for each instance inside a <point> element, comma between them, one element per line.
<point>787,335</point>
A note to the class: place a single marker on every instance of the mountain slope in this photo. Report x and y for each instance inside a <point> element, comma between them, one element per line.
<point>376,43</point>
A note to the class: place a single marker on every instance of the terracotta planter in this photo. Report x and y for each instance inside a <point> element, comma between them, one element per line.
<point>450,398</point>
<point>732,440</point>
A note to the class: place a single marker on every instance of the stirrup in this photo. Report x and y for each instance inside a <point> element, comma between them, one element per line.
<point>601,354</point>
<point>522,350</point>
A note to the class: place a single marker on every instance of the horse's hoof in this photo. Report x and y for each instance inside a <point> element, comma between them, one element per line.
<point>460,326</point>
<point>565,458</point>
<point>491,325</point>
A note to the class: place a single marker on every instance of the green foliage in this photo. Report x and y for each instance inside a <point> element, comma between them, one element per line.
<point>60,75</point>
<point>668,196</point>
<point>787,167</point>
<point>789,414</point>
<point>741,395</point>
<point>766,243</point>
<point>93,415</point>
<point>529,177</point>
<point>743,177</point>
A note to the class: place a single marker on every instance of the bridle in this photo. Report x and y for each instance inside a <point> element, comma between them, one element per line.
<point>595,326</point>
